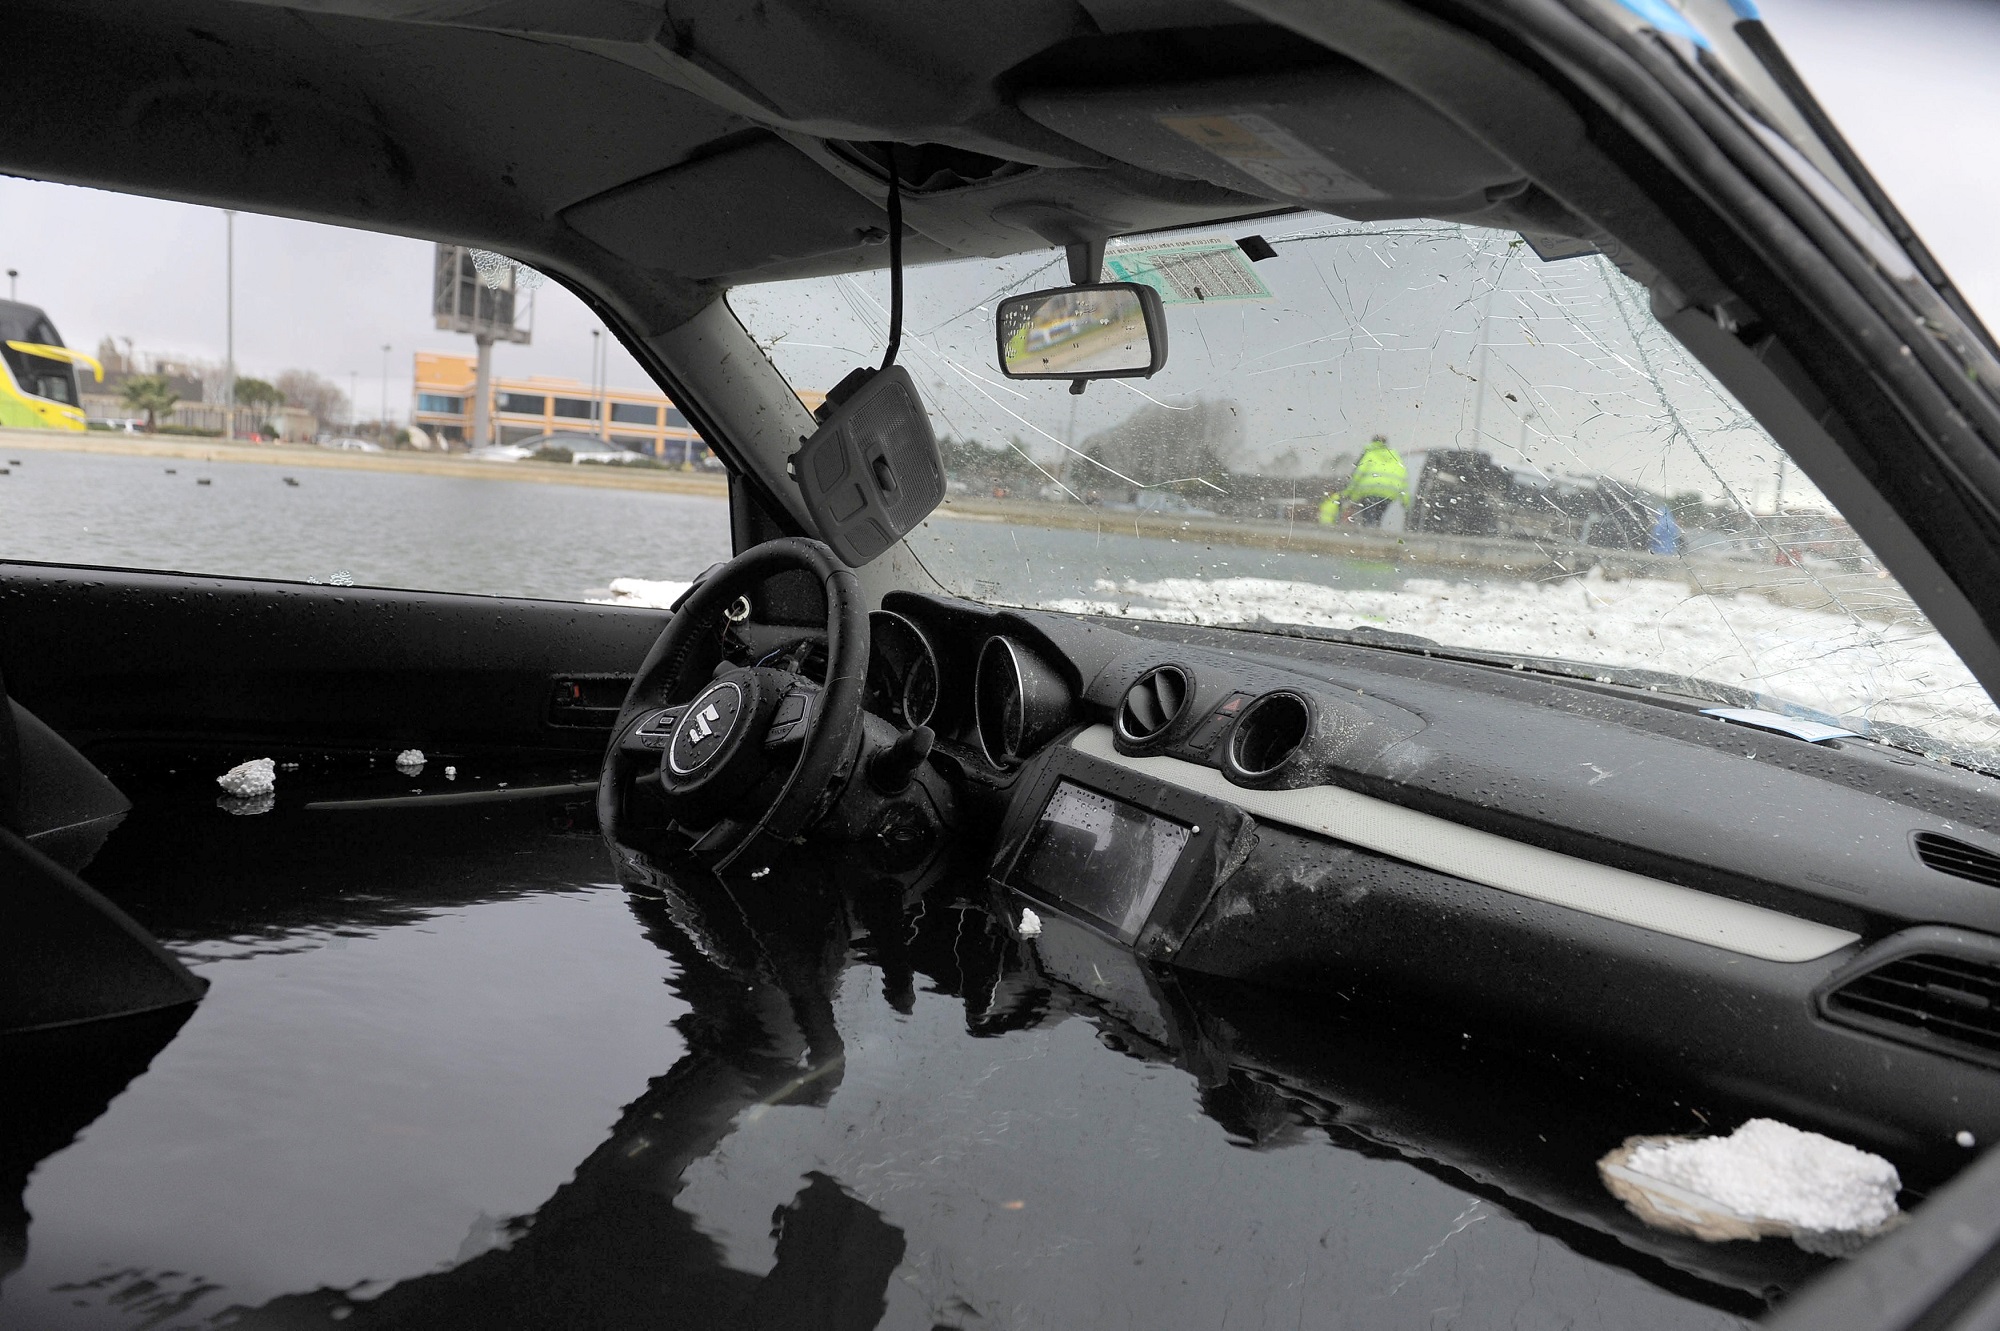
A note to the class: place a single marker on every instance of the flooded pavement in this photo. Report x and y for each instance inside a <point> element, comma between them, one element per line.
<point>501,536</point>
<point>449,1074</point>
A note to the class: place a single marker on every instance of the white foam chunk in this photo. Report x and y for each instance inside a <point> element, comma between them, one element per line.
<point>1031,924</point>
<point>1772,1171</point>
<point>647,592</point>
<point>410,758</point>
<point>259,776</point>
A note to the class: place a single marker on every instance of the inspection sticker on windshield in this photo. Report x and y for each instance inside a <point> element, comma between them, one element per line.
<point>1188,272</point>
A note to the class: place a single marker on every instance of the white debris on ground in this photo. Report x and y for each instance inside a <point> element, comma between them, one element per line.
<point>1835,662</point>
<point>410,760</point>
<point>1031,924</point>
<point>1765,1178</point>
<point>259,776</point>
<point>643,593</point>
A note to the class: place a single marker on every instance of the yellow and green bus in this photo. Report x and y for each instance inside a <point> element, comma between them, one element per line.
<point>38,390</point>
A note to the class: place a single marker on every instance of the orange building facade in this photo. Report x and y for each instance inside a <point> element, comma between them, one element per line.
<point>524,409</point>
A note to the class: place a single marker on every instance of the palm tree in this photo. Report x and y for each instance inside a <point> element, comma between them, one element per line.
<point>152,394</point>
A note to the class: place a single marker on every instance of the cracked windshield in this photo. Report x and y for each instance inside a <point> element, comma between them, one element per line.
<point>1421,430</point>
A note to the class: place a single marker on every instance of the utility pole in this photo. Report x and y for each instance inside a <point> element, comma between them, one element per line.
<point>12,273</point>
<point>1485,335</point>
<point>382,421</point>
<point>353,399</point>
<point>229,319</point>
<point>482,391</point>
<point>597,380</point>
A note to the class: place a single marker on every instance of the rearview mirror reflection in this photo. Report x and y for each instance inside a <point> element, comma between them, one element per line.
<point>1107,330</point>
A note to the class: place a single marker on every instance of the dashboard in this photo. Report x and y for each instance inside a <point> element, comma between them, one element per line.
<point>1748,909</point>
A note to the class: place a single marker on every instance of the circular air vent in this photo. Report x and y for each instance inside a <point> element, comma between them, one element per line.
<point>1153,704</point>
<point>1268,733</point>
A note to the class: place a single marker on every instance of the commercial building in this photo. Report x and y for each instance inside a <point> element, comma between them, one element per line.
<point>291,425</point>
<point>526,408</point>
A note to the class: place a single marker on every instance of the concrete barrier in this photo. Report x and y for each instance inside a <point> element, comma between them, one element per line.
<point>1867,594</point>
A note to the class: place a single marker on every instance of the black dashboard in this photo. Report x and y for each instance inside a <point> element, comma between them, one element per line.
<point>1813,928</point>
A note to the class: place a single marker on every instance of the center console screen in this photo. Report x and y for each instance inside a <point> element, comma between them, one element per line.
<point>1100,857</point>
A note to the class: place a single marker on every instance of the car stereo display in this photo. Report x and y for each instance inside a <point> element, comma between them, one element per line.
<point>1100,857</point>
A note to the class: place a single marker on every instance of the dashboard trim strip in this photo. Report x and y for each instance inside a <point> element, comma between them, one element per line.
<point>1497,862</point>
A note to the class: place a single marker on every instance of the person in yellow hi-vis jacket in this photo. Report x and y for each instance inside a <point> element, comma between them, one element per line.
<point>1379,477</point>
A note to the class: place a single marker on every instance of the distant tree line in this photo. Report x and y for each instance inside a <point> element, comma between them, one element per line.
<point>153,386</point>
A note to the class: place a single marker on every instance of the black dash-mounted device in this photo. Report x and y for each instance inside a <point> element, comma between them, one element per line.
<point>871,471</point>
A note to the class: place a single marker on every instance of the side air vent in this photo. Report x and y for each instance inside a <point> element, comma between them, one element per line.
<point>1266,736</point>
<point>1934,1000</point>
<point>1153,704</point>
<point>1949,855</point>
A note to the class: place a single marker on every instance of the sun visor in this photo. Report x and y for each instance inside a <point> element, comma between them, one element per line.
<point>1344,139</point>
<point>730,212</point>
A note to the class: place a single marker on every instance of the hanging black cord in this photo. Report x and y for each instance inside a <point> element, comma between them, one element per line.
<point>895,260</point>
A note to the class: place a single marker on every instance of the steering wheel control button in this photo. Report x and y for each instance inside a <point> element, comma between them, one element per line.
<point>793,717</point>
<point>705,727</point>
<point>664,719</point>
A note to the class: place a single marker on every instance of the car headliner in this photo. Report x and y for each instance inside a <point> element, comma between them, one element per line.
<point>663,155</point>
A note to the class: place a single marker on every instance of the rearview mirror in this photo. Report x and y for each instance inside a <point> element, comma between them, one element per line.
<point>1106,330</point>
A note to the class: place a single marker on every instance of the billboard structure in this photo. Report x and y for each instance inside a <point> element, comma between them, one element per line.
<point>477,292</point>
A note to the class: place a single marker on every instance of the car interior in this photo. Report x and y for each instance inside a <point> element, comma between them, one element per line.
<point>1426,897</point>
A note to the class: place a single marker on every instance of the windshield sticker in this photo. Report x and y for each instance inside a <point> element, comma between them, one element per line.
<point>1189,272</point>
<point>1270,155</point>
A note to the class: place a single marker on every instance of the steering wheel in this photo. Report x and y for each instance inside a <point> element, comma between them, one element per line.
<point>742,753</point>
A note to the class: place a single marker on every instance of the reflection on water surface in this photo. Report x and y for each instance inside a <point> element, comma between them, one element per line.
<point>448,1076</point>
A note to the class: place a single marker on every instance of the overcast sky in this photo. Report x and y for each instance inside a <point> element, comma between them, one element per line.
<point>1911,82</point>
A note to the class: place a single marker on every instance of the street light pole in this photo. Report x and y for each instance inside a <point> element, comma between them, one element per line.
<point>229,320</point>
<point>382,421</point>
<point>597,379</point>
<point>353,399</point>
<point>12,273</point>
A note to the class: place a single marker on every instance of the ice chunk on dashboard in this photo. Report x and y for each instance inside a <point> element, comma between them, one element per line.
<point>1765,1178</point>
<point>259,776</point>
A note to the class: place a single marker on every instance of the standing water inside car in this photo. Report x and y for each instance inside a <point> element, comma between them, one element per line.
<point>448,1073</point>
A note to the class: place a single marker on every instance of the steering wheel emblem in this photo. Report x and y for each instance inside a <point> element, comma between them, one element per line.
<point>711,718</point>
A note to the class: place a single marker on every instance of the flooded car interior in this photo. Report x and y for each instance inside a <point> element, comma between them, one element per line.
<point>945,912</point>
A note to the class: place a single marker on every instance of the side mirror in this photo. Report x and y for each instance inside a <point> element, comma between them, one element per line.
<point>1106,330</point>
